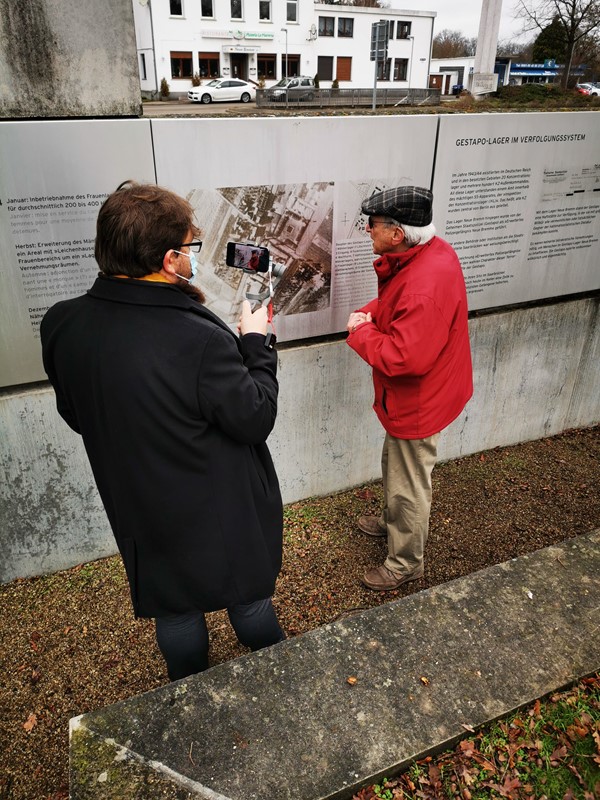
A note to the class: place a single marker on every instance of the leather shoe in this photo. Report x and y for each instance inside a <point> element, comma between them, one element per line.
<point>382,579</point>
<point>371,526</point>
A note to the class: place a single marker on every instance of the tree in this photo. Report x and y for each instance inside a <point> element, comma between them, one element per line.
<point>519,51</point>
<point>551,43</point>
<point>452,44</point>
<point>579,19</point>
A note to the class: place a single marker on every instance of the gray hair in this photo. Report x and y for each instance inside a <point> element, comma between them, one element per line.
<point>412,234</point>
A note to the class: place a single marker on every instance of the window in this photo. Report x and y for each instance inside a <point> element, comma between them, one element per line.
<point>292,11</point>
<point>181,65</point>
<point>208,64</point>
<point>326,26</point>
<point>400,69</point>
<point>293,65</point>
<point>346,27</point>
<point>344,68</point>
<point>266,63</point>
<point>236,9</point>
<point>383,69</point>
<point>206,8</point>
<point>143,74</point>
<point>390,28</point>
<point>403,30</point>
<point>176,8</point>
<point>325,68</point>
<point>264,10</point>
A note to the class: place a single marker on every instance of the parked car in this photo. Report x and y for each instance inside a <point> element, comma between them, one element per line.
<point>300,88</point>
<point>584,88</point>
<point>223,90</point>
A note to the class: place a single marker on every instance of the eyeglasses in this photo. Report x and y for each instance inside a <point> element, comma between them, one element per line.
<point>372,222</point>
<point>195,247</point>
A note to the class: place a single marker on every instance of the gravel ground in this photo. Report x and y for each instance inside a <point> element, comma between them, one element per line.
<point>69,643</point>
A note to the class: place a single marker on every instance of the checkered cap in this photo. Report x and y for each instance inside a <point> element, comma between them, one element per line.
<point>408,204</point>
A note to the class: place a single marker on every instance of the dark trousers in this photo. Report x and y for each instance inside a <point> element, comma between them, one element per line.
<point>183,638</point>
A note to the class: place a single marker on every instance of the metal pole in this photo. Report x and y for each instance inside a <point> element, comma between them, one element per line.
<point>412,47</point>
<point>374,86</point>
<point>285,72</point>
<point>286,65</point>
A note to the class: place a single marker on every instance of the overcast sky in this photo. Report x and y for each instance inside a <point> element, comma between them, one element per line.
<point>463,15</point>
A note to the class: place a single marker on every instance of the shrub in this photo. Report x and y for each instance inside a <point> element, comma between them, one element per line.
<point>196,79</point>
<point>164,88</point>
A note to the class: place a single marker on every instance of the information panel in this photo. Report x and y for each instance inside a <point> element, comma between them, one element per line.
<point>294,185</point>
<point>53,178</point>
<point>518,196</point>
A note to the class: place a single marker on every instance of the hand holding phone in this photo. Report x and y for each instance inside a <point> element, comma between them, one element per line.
<point>253,321</point>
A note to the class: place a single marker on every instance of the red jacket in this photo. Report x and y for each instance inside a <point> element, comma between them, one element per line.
<point>418,342</point>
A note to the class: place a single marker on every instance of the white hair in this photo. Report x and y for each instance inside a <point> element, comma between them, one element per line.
<point>414,235</point>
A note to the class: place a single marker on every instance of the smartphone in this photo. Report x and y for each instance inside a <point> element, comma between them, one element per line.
<point>249,257</point>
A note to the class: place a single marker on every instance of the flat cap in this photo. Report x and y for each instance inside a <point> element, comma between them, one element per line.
<point>408,204</point>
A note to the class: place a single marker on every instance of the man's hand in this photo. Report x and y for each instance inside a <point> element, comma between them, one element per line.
<point>357,318</point>
<point>253,322</point>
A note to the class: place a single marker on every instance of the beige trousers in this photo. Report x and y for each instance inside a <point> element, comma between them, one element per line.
<point>406,465</point>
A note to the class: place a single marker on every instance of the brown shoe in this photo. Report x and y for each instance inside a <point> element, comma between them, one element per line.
<point>371,526</point>
<point>382,579</point>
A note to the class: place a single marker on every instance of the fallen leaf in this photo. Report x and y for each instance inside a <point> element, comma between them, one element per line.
<point>425,681</point>
<point>468,727</point>
<point>558,754</point>
<point>352,680</point>
<point>575,732</point>
<point>31,722</point>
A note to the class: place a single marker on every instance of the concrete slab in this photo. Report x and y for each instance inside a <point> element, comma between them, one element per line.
<point>325,713</point>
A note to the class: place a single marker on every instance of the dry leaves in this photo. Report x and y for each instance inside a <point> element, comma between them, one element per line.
<point>31,722</point>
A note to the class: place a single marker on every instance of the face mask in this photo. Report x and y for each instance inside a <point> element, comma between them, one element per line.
<point>193,265</point>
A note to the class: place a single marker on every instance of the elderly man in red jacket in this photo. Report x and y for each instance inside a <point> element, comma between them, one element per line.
<point>414,335</point>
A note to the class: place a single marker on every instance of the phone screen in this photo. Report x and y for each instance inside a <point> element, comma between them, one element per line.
<point>249,257</point>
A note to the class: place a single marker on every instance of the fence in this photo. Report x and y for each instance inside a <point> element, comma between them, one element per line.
<point>328,98</point>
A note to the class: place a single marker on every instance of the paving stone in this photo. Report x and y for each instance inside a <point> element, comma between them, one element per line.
<point>325,713</point>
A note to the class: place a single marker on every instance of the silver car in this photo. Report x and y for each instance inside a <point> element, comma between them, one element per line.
<point>302,88</point>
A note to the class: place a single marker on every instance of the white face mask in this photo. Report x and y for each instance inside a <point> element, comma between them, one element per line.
<point>193,265</point>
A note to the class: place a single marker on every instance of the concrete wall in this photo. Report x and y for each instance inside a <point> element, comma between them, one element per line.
<point>535,370</point>
<point>68,59</point>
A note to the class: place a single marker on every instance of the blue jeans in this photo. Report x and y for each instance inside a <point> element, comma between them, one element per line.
<point>183,638</point>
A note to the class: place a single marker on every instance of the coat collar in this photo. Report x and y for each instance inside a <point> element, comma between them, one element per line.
<point>391,263</point>
<point>149,293</point>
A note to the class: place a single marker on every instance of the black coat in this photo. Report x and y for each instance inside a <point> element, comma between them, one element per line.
<point>174,410</point>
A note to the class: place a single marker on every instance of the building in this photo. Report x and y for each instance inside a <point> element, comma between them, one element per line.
<point>265,40</point>
<point>449,72</point>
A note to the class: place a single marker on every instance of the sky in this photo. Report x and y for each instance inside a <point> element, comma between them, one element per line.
<point>463,15</point>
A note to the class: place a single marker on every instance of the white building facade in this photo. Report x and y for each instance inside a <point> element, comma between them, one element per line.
<point>178,40</point>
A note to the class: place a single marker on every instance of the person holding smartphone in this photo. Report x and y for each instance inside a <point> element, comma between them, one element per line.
<point>174,410</point>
